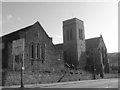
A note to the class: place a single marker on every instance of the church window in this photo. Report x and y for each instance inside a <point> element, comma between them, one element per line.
<point>32,51</point>
<point>80,34</point>
<point>38,51</point>
<point>43,52</point>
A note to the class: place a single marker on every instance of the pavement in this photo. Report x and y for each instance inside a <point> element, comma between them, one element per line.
<point>99,83</point>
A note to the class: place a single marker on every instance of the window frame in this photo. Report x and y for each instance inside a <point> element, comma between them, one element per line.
<point>80,34</point>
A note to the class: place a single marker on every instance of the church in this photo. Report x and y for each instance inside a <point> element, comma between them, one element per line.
<point>41,54</point>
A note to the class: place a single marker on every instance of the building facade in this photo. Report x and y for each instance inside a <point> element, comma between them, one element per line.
<point>39,51</point>
<point>96,52</point>
<point>41,54</point>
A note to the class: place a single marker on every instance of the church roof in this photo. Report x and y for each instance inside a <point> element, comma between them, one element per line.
<point>92,43</point>
<point>15,35</point>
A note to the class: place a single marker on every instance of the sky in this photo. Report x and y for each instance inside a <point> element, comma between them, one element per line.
<point>99,18</point>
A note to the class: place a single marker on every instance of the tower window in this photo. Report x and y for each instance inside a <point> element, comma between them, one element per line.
<point>80,34</point>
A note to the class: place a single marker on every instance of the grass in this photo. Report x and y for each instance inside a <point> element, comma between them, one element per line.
<point>14,78</point>
<point>111,75</point>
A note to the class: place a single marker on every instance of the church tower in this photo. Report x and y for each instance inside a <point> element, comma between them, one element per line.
<point>74,43</point>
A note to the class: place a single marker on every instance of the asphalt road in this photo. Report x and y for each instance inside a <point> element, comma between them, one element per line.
<point>99,83</point>
<point>102,83</point>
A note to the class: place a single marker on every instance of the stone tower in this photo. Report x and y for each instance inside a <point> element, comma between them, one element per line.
<point>74,43</point>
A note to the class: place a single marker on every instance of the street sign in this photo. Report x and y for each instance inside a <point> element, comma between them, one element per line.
<point>18,47</point>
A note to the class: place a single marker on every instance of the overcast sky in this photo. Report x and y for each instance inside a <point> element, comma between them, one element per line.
<point>99,18</point>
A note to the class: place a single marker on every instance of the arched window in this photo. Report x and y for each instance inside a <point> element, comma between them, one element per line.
<point>80,34</point>
<point>32,51</point>
<point>43,52</point>
<point>38,51</point>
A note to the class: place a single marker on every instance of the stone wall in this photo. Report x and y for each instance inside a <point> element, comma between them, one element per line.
<point>35,35</point>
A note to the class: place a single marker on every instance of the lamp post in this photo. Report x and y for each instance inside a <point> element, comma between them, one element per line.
<point>22,64</point>
<point>22,68</point>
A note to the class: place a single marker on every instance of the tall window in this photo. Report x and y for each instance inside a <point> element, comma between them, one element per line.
<point>38,51</point>
<point>80,34</point>
<point>32,51</point>
<point>43,52</point>
<point>69,34</point>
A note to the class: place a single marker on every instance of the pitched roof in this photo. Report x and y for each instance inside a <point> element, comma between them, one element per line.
<point>92,43</point>
<point>15,35</point>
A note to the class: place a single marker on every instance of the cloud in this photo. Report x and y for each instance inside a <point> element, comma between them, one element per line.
<point>19,19</point>
<point>9,17</point>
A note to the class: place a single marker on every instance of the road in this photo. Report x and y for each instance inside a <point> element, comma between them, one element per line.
<point>99,83</point>
<point>102,83</point>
